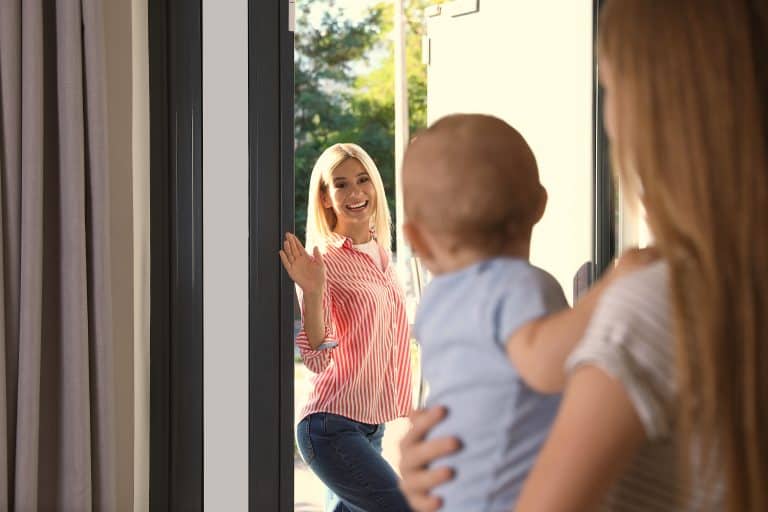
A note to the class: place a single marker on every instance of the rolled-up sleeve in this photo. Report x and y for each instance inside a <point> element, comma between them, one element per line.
<point>317,360</point>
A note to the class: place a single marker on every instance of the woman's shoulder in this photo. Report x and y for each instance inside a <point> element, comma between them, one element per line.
<point>634,314</point>
<point>629,337</point>
<point>638,299</point>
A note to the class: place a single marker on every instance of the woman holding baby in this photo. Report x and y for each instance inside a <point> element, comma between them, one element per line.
<point>663,405</point>
<point>354,333</point>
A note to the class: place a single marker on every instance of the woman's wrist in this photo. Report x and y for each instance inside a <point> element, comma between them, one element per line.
<point>312,294</point>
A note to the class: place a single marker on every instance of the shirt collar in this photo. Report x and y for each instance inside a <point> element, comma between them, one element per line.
<point>337,240</point>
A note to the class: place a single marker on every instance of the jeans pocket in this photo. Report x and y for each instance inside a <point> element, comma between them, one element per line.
<point>333,424</point>
<point>304,440</point>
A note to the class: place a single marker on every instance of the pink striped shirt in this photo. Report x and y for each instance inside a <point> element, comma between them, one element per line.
<point>367,376</point>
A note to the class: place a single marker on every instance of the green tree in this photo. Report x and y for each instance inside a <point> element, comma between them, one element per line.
<point>323,77</point>
<point>344,88</point>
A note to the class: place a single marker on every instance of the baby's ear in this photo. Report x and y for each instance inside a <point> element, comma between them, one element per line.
<point>541,206</point>
<point>415,239</point>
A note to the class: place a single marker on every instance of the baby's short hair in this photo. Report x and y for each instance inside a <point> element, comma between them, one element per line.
<point>473,178</point>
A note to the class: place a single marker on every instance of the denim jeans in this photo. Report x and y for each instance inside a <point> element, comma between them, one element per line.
<point>346,456</point>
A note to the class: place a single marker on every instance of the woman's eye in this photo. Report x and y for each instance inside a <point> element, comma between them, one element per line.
<point>339,185</point>
<point>364,180</point>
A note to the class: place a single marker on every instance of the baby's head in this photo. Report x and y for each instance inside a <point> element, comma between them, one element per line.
<point>471,191</point>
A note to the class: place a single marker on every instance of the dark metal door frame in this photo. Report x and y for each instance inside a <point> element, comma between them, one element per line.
<point>176,284</point>
<point>271,208</point>
<point>604,225</point>
<point>176,368</point>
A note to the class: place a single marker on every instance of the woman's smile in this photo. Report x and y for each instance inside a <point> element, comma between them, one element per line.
<point>358,207</point>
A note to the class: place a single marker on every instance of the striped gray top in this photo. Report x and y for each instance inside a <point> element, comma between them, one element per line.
<point>629,337</point>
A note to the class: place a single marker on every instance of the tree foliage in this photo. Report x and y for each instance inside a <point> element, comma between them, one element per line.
<point>344,87</point>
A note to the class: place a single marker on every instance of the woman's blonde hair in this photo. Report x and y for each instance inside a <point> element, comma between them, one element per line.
<point>322,221</point>
<point>690,83</point>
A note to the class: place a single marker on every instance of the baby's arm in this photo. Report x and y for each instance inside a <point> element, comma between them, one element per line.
<point>539,348</point>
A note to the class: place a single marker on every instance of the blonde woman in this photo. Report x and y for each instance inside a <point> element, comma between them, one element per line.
<point>664,406</point>
<point>354,332</point>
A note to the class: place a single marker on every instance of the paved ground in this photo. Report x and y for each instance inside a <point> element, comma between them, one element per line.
<point>309,492</point>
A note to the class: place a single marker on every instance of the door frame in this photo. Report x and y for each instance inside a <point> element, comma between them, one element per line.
<point>604,220</point>
<point>271,214</point>
<point>176,370</point>
<point>176,284</point>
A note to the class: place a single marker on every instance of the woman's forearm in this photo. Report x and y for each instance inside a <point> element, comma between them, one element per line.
<point>314,325</point>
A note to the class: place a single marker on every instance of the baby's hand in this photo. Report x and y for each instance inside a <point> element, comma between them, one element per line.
<point>632,260</point>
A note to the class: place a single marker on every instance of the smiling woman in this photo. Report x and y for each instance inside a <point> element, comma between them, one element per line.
<point>354,332</point>
<point>350,183</point>
<point>344,177</point>
<point>353,195</point>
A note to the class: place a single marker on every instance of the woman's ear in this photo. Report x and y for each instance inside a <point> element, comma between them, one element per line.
<point>325,199</point>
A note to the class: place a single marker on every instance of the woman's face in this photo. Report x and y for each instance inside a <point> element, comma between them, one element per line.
<point>351,194</point>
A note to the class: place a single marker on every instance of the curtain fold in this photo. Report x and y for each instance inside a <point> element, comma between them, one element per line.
<point>57,427</point>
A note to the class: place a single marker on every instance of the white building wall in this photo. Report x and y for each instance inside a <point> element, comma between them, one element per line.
<point>528,62</point>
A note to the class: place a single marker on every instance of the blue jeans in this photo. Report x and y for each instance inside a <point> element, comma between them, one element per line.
<point>346,456</point>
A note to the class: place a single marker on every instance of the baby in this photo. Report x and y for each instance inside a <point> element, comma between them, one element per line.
<point>471,197</point>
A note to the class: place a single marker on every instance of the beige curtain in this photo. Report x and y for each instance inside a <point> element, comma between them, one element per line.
<point>57,428</point>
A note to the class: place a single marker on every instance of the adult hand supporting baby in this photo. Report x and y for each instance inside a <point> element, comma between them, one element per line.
<point>416,454</point>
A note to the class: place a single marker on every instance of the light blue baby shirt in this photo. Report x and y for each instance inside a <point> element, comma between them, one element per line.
<point>462,323</point>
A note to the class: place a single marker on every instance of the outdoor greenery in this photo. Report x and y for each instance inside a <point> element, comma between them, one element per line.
<point>344,87</point>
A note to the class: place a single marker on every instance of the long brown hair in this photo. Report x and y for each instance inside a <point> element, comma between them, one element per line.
<point>691,97</point>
